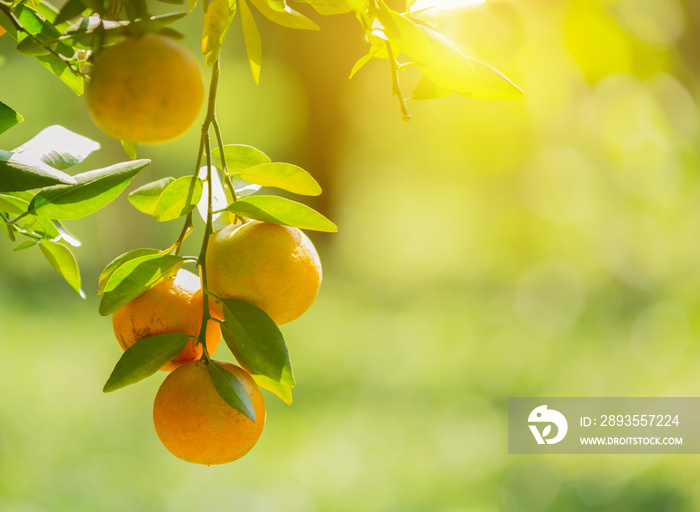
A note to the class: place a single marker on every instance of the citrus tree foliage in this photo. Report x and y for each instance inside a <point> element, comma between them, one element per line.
<point>38,193</point>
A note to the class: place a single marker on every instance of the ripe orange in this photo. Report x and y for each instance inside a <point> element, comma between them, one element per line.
<point>275,268</point>
<point>195,424</point>
<point>173,305</point>
<point>145,89</point>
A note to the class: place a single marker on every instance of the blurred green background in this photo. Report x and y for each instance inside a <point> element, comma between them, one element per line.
<point>547,246</point>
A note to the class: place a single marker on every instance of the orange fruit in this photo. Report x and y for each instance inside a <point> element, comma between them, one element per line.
<point>145,89</point>
<point>275,268</point>
<point>173,305</point>
<point>195,424</point>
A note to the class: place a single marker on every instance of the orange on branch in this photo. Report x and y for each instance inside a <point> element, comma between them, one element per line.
<point>275,268</point>
<point>145,89</point>
<point>196,425</point>
<point>172,306</point>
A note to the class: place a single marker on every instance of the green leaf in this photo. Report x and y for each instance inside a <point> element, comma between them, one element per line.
<point>8,118</point>
<point>93,190</point>
<point>252,40</point>
<point>217,18</point>
<point>443,63</point>
<point>118,262</point>
<point>285,176</point>
<point>135,277</point>
<point>279,210</point>
<point>374,51</point>
<point>17,176</point>
<point>258,345</point>
<point>34,23</point>
<point>231,390</point>
<point>71,9</point>
<point>28,244</point>
<point>130,148</point>
<point>15,203</point>
<point>146,197</point>
<point>57,147</point>
<point>427,90</point>
<point>178,198</point>
<point>144,358</point>
<point>287,18</point>
<point>62,259</point>
<point>8,229</point>
<point>239,157</point>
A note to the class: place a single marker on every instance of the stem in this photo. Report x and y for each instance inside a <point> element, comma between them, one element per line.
<point>395,89</point>
<point>206,144</point>
<point>222,154</point>
<point>187,228</point>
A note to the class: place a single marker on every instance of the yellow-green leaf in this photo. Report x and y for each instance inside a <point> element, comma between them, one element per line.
<point>278,210</point>
<point>252,40</point>
<point>443,63</point>
<point>217,18</point>
<point>281,175</point>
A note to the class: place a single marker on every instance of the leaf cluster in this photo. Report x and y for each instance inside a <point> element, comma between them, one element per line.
<point>37,195</point>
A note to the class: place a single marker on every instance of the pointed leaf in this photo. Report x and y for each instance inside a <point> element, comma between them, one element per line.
<point>71,9</point>
<point>144,358</point>
<point>374,51</point>
<point>252,40</point>
<point>146,197</point>
<point>285,176</point>
<point>62,259</point>
<point>93,190</point>
<point>443,63</point>
<point>217,18</point>
<point>239,157</point>
<point>135,277</point>
<point>118,262</point>
<point>58,147</point>
<point>279,210</point>
<point>178,198</point>
<point>16,175</point>
<point>28,244</point>
<point>8,117</point>
<point>287,18</point>
<point>231,390</point>
<point>130,148</point>
<point>427,90</point>
<point>546,430</point>
<point>8,229</point>
<point>258,345</point>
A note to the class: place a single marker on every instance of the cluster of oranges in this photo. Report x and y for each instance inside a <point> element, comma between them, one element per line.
<point>149,89</point>
<point>273,267</point>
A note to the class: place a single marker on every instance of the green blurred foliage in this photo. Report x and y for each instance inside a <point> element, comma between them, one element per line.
<point>544,246</point>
